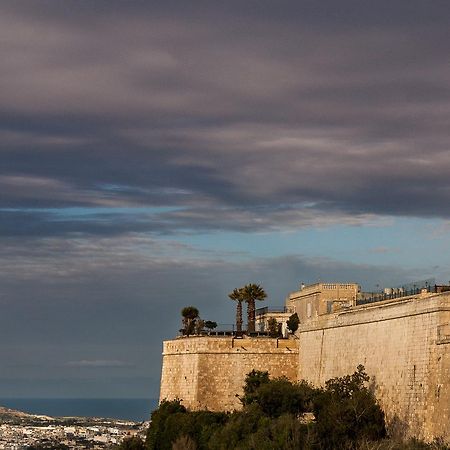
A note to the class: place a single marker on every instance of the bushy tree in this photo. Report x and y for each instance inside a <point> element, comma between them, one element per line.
<point>281,396</point>
<point>347,412</point>
<point>293,323</point>
<point>190,316</point>
<point>237,430</point>
<point>210,325</point>
<point>282,433</point>
<point>278,396</point>
<point>172,423</point>
<point>253,381</point>
<point>157,429</point>
<point>184,443</point>
<point>131,443</point>
<point>273,328</point>
<point>199,326</point>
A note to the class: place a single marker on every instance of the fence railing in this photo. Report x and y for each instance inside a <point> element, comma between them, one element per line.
<point>266,309</point>
<point>401,292</point>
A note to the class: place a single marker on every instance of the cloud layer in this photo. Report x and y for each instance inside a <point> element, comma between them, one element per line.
<point>331,110</point>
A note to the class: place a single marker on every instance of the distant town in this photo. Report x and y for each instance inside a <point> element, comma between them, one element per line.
<point>21,431</point>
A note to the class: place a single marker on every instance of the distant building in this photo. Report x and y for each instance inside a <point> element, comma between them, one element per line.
<point>281,315</point>
<point>321,298</point>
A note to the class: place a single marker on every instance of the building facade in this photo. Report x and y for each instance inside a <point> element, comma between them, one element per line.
<point>317,299</point>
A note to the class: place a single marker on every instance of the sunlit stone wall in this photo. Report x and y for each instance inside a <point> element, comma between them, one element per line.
<point>208,372</point>
<point>405,348</point>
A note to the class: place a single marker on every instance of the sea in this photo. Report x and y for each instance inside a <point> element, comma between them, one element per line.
<point>135,409</point>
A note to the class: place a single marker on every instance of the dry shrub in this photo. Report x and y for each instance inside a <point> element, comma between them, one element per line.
<point>184,442</point>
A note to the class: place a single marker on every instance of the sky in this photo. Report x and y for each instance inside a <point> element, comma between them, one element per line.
<point>155,155</point>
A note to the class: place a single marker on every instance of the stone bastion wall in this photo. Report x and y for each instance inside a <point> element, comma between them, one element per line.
<point>405,348</point>
<point>208,372</point>
<point>403,344</point>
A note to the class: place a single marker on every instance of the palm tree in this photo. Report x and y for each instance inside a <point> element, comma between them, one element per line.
<point>251,293</point>
<point>238,296</point>
<point>190,315</point>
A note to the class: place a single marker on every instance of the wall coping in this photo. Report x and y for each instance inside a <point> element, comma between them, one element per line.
<point>223,345</point>
<point>380,311</point>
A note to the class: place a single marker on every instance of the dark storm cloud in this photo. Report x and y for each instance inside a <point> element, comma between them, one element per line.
<point>225,110</point>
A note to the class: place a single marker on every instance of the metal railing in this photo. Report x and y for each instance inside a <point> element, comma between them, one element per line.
<point>401,292</point>
<point>266,309</point>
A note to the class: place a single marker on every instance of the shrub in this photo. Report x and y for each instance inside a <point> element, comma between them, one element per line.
<point>131,443</point>
<point>273,329</point>
<point>346,412</point>
<point>347,416</point>
<point>293,323</point>
<point>235,433</point>
<point>281,396</point>
<point>171,421</point>
<point>253,381</point>
<point>157,429</point>
<point>184,443</point>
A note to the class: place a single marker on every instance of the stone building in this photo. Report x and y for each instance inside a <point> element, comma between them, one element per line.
<point>281,315</point>
<point>317,299</point>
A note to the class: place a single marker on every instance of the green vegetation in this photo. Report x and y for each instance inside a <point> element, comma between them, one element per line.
<point>252,293</point>
<point>277,397</point>
<point>190,316</point>
<point>171,423</point>
<point>131,443</point>
<point>293,323</point>
<point>210,325</point>
<point>274,328</point>
<point>238,296</point>
<point>278,414</point>
<point>346,411</point>
<point>249,294</point>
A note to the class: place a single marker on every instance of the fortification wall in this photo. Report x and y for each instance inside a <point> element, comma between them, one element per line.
<point>405,348</point>
<point>207,372</point>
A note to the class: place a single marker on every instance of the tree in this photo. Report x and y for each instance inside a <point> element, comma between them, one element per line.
<point>210,325</point>
<point>273,328</point>
<point>199,325</point>
<point>238,296</point>
<point>184,442</point>
<point>253,380</point>
<point>172,425</point>
<point>346,411</point>
<point>251,293</point>
<point>157,432</point>
<point>281,396</point>
<point>131,443</point>
<point>277,396</point>
<point>293,323</point>
<point>190,315</point>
